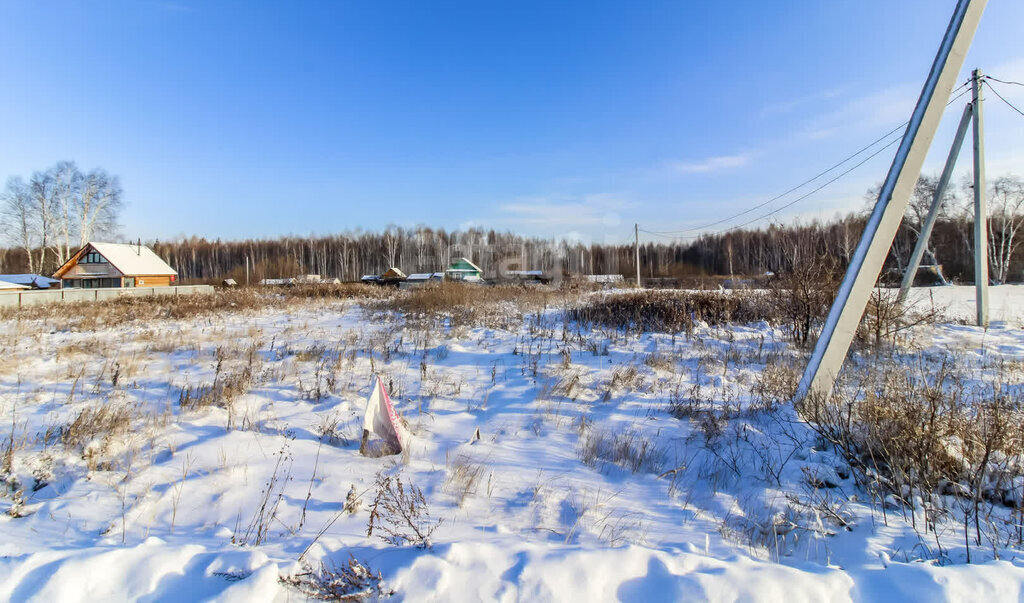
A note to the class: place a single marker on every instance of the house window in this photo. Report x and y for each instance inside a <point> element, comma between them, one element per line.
<point>92,258</point>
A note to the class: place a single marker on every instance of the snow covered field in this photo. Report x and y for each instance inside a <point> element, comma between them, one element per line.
<point>216,457</point>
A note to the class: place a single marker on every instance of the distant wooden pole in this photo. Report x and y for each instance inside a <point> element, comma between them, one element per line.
<point>636,245</point>
<point>246,271</point>
<point>980,206</point>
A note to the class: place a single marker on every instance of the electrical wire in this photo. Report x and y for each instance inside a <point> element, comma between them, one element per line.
<point>674,234</point>
<point>809,180</point>
<point>1008,103</point>
<point>995,79</point>
<point>787,205</point>
<point>794,189</point>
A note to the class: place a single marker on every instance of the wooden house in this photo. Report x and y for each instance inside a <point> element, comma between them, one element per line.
<point>115,265</point>
<point>393,274</point>
<point>463,270</point>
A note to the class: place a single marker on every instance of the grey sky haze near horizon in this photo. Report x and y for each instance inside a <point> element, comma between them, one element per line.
<point>234,120</point>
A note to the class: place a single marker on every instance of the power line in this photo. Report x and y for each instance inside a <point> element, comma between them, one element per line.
<point>795,188</point>
<point>989,77</point>
<point>963,90</point>
<point>1008,103</point>
<point>791,203</point>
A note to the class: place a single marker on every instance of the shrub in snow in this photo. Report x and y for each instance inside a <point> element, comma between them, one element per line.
<point>399,513</point>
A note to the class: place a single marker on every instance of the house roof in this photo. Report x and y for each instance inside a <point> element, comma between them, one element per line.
<point>524,272</point>
<point>393,273</point>
<point>425,276</point>
<point>29,280</point>
<point>129,260</point>
<point>9,286</point>
<point>463,265</point>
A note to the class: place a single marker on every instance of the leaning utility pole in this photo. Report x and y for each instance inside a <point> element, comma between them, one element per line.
<point>866,264</point>
<point>980,206</point>
<point>636,246</point>
<point>933,211</point>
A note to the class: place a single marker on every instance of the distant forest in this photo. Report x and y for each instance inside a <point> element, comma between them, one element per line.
<point>750,252</point>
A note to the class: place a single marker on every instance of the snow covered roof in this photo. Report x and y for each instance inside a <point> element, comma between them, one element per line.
<point>129,260</point>
<point>425,276</point>
<point>463,265</point>
<point>29,280</point>
<point>524,272</point>
<point>9,286</point>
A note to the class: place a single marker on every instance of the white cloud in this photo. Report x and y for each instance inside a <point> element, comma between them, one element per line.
<point>710,164</point>
<point>591,210</point>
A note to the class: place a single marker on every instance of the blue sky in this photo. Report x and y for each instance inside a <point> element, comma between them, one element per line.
<point>239,119</point>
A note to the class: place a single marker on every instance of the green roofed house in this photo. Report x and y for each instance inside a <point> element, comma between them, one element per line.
<point>464,270</point>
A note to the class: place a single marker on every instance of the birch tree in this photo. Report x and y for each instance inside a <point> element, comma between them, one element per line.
<point>20,218</point>
<point>99,205</point>
<point>1006,203</point>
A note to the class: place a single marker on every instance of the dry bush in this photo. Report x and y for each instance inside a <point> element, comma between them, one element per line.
<point>463,478</point>
<point>684,403</point>
<point>352,581</point>
<point>912,436</point>
<point>461,304</point>
<point>329,429</point>
<point>626,378</point>
<point>95,428</point>
<point>776,384</point>
<point>336,291</point>
<point>885,318</point>
<point>629,449</point>
<point>258,530</point>
<point>399,514</point>
<point>802,294</point>
<point>670,311</point>
<point>229,384</point>
<point>126,309</point>
<point>660,362</point>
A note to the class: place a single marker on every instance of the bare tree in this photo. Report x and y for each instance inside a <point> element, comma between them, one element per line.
<point>43,190</point>
<point>99,204</point>
<point>20,218</point>
<point>1006,216</point>
<point>392,240</point>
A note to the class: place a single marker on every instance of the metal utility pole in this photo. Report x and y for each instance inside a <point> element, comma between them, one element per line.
<point>636,245</point>
<point>933,211</point>
<point>880,230</point>
<point>980,206</point>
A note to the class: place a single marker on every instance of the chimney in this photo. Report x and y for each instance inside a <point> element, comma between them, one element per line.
<point>138,251</point>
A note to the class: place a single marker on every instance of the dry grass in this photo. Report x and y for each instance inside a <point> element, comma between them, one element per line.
<point>94,315</point>
<point>671,312</point>
<point>629,449</point>
<point>459,304</point>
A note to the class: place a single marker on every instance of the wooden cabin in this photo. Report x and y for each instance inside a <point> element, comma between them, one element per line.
<point>115,265</point>
<point>463,270</point>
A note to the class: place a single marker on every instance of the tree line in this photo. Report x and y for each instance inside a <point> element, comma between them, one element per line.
<point>48,216</point>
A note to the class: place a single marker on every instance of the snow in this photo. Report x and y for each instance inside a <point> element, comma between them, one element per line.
<point>160,510</point>
<point>133,259</point>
